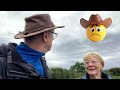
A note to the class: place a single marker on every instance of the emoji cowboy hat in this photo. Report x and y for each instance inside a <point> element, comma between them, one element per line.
<point>95,20</point>
<point>36,24</point>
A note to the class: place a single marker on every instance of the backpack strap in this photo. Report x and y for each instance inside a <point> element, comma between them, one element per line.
<point>3,61</point>
<point>46,69</point>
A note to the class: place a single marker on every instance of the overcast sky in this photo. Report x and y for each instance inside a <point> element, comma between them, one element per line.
<point>72,43</point>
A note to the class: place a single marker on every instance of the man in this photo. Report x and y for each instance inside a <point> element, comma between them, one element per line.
<point>26,60</point>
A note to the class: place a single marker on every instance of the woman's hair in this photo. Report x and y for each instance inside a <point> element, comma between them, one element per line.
<point>96,55</point>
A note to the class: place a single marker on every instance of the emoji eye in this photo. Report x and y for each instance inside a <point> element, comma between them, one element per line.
<point>98,29</point>
<point>92,29</point>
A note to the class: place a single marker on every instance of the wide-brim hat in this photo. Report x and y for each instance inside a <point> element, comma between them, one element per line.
<point>36,24</point>
<point>95,20</point>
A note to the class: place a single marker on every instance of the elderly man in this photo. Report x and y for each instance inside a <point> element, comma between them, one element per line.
<point>26,60</point>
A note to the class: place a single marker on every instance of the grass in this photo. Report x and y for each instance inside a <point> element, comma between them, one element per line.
<point>115,77</point>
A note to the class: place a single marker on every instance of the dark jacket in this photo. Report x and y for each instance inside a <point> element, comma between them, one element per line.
<point>104,76</point>
<point>12,66</point>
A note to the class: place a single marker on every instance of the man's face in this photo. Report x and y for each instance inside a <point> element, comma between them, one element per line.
<point>50,39</point>
<point>54,35</point>
<point>51,32</point>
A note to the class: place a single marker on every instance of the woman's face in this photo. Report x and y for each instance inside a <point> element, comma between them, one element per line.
<point>93,66</point>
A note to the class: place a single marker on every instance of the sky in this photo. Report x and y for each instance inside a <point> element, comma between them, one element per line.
<point>72,43</point>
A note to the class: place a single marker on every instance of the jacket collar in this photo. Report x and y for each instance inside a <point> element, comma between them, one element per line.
<point>104,76</point>
<point>16,66</point>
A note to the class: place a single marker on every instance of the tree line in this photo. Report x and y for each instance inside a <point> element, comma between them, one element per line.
<point>77,70</point>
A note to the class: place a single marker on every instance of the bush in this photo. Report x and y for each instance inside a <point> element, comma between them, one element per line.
<point>59,73</point>
<point>115,71</point>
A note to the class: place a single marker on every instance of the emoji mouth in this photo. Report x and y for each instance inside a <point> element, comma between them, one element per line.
<point>95,34</point>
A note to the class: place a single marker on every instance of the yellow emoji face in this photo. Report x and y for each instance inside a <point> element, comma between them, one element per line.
<point>96,33</point>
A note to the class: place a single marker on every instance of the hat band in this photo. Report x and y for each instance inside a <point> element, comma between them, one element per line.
<point>38,29</point>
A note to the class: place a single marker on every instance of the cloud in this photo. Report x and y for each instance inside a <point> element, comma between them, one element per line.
<point>72,43</point>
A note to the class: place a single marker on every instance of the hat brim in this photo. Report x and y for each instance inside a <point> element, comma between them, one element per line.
<point>84,23</point>
<point>21,35</point>
<point>107,22</point>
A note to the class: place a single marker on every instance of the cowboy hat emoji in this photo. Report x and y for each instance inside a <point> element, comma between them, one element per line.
<point>96,27</point>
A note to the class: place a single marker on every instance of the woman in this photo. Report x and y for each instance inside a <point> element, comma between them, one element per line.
<point>94,64</point>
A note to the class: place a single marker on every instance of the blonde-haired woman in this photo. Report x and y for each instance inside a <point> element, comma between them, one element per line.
<point>94,64</point>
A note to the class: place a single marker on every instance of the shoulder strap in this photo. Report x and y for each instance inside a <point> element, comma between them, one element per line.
<point>3,60</point>
<point>3,66</point>
<point>46,69</point>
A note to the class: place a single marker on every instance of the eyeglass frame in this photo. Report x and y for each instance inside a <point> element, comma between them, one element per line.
<point>56,34</point>
<point>92,62</point>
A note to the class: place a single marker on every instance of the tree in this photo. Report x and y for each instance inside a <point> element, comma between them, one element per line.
<point>78,67</point>
<point>60,73</point>
<point>115,71</point>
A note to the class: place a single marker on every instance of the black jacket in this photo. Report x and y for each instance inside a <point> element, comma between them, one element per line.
<point>12,66</point>
<point>103,75</point>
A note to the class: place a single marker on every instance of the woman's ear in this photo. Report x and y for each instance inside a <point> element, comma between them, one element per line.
<point>101,67</point>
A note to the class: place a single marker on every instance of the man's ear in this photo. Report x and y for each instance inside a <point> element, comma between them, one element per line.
<point>45,36</point>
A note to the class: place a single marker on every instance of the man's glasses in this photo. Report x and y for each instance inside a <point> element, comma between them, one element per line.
<point>54,34</point>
